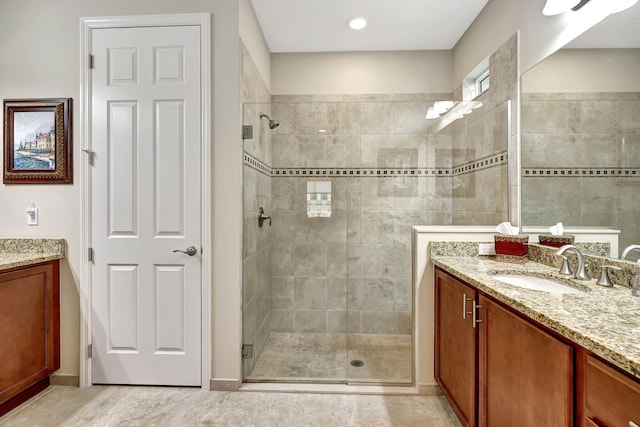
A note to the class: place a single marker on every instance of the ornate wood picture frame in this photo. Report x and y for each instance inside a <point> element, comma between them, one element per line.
<point>37,141</point>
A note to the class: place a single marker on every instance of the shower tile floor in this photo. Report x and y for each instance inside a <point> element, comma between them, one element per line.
<point>324,357</point>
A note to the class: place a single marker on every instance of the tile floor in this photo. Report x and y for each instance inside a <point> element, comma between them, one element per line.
<point>108,406</point>
<point>322,357</point>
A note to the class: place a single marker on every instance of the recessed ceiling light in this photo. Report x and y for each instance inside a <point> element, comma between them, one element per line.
<point>357,22</point>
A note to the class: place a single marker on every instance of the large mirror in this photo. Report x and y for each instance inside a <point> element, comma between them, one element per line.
<point>581,132</point>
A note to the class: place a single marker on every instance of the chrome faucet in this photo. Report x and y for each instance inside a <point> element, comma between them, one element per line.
<point>628,250</point>
<point>581,273</point>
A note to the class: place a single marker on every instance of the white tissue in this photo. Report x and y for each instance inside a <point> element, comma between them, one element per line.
<point>556,230</point>
<point>508,229</point>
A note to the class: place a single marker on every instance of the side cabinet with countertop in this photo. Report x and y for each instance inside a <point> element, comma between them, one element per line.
<point>29,331</point>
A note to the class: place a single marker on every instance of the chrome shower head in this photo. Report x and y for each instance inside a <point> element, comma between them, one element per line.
<point>272,123</point>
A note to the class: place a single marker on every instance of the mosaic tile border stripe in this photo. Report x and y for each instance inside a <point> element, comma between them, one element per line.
<point>256,164</point>
<point>480,164</point>
<point>473,166</point>
<point>581,173</point>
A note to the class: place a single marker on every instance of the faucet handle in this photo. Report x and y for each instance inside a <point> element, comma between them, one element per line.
<point>565,269</point>
<point>604,279</point>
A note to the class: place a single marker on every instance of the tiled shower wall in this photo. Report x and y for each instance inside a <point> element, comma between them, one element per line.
<point>581,160</point>
<point>481,197</point>
<point>256,263</point>
<point>352,271</point>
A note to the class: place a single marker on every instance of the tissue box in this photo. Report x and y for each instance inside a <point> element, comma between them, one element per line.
<point>556,241</point>
<point>516,246</point>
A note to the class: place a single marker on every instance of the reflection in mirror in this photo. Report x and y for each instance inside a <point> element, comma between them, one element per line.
<point>581,132</point>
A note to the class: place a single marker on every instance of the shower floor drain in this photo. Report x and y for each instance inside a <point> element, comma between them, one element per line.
<point>357,363</point>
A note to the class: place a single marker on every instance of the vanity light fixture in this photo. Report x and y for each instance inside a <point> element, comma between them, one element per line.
<point>438,109</point>
<point>556,7</point>
<point>356,22</point>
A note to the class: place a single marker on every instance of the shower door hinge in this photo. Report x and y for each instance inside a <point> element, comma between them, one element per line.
<point>90,61</point>
<point>247,351</point>
<point>247,132</point>
<point>90,351</point>
<point>90,255</point>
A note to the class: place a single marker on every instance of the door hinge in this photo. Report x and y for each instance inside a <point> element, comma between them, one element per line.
<point>90,61</point>
<point>90,351</point>
<point>247,351</point>
<point>90,254</point>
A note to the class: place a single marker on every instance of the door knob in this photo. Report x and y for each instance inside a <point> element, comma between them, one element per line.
<point>191,251</point>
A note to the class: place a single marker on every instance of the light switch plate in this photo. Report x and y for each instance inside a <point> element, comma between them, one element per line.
<point>486,249</point>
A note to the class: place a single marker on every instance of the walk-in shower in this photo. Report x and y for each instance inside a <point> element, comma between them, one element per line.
<point>327,288</point>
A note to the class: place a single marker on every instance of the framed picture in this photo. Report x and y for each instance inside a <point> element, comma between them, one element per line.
<point>37,141</point>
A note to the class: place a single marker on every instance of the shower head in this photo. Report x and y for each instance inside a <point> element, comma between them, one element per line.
<point>272,123</point>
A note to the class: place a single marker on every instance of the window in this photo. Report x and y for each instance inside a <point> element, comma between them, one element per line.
<point>477,81</point>
<point>482,83</point>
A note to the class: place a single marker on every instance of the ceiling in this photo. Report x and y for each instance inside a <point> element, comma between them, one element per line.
<point>319,25</point>
<point>620,30</point>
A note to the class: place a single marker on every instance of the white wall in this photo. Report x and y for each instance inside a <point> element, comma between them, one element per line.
<point>586,70</point>
<point>40,58</point>
<point>253,39</point>
<point>361,72</point>
<point>539,35</point>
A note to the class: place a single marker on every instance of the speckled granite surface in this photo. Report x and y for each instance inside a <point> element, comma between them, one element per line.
<point>605,321</point>
<point>21,252</point>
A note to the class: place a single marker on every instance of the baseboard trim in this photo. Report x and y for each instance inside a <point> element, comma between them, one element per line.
<point>65,380</point>
<point>429,390</point>
<point>222,384</point>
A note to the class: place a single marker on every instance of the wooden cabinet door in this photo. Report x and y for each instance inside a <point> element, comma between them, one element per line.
<point>525,375</point>
<point>29,328</point>
<point>455,357</point>
<point>611,397</point>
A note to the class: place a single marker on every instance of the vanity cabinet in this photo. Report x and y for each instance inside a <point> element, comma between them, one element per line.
<point>611,398</point>
<point>455,336</point>
<point>29,331</point>
<point>525,375</point>
<point>496,367</point>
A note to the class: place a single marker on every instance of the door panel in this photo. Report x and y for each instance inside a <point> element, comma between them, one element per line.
<point>123,308</point>
<point>145,186</point>
<point>122,168</point>
<point>169,182</point>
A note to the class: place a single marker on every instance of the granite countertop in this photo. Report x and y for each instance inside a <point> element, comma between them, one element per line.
<point>605,321</point>
<point>21,252</point>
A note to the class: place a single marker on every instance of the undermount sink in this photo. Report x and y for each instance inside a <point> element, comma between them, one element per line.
<point>536,283</point>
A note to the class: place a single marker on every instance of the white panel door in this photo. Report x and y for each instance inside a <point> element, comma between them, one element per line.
<point>145,191</point>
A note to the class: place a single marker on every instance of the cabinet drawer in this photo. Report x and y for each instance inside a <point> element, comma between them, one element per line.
<point>611,398</point>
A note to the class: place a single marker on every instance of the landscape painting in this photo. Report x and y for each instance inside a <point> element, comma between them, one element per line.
<point>37,141</point>
<point>34,140</point>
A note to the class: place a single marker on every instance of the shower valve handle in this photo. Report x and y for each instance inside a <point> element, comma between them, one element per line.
<point>262,217</point>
